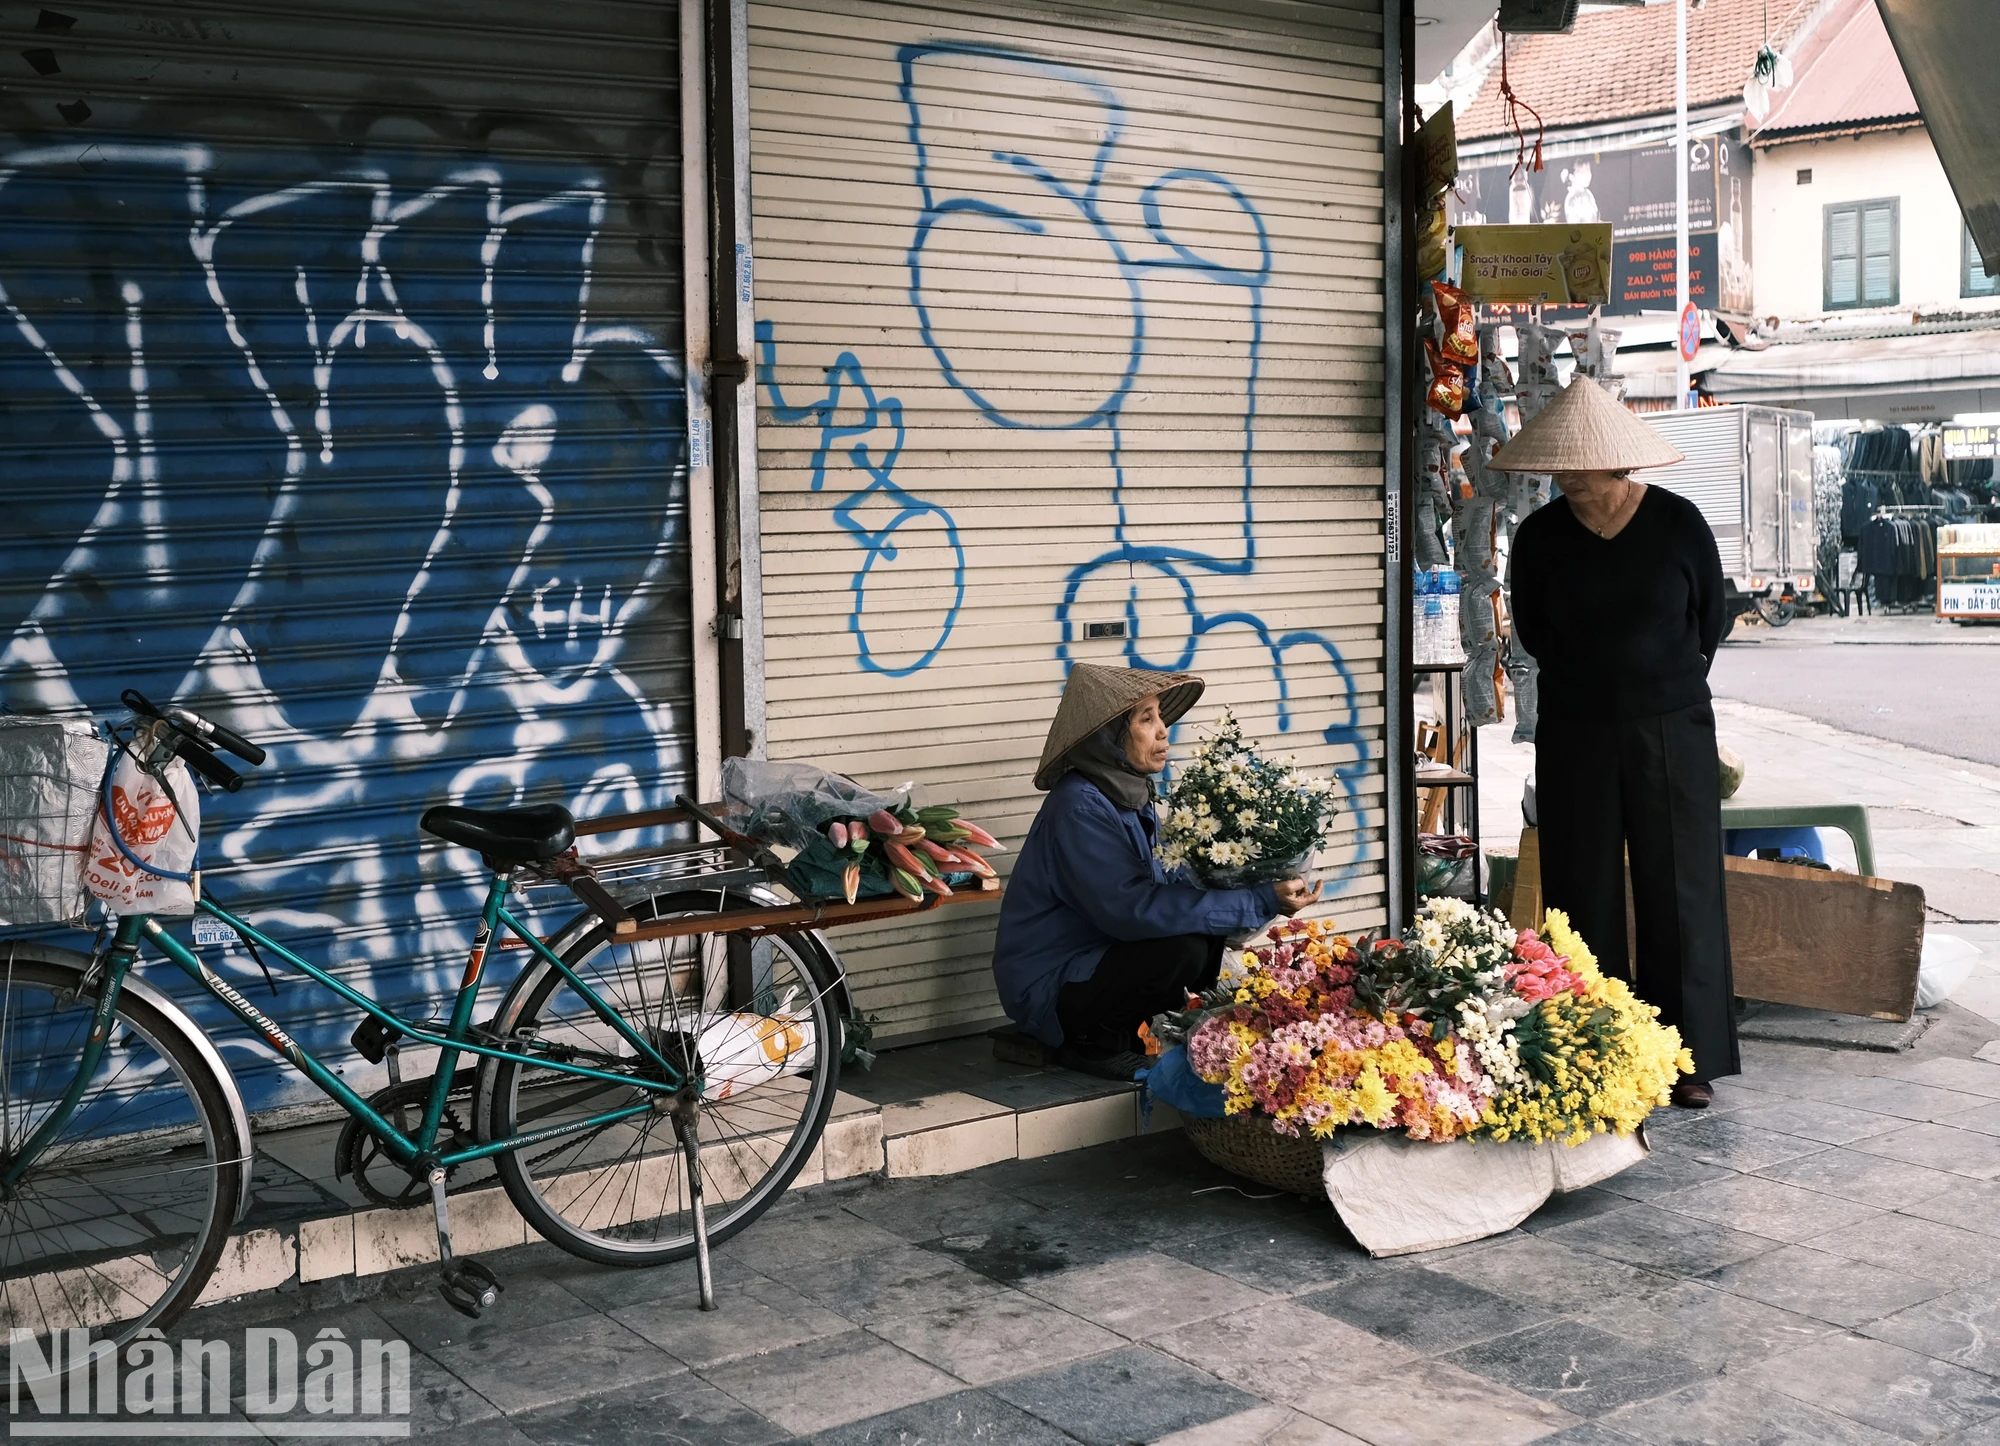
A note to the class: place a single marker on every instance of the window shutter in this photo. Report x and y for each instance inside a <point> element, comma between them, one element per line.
<point>1843,258</point>
<point>1878,238</point>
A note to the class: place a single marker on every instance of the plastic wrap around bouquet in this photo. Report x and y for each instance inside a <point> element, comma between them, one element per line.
<point>1452,1078</point>
<point>1235,818</point>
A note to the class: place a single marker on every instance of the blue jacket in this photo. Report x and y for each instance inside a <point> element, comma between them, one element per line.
<point>1085,879</point>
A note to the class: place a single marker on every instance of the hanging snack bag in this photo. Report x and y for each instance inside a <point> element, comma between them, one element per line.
<point>1461,329</point>
<point>142,850</point>
<point>1446,393</point>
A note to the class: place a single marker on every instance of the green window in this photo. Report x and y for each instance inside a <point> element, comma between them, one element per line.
<point>1862,254</point>
<point>1973,280</point>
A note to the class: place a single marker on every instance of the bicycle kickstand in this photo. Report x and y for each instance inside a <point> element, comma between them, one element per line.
<point>468,1287</point>
<point>687,1125</point>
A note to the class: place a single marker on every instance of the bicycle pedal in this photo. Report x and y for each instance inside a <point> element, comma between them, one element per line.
<point>469,1287</point>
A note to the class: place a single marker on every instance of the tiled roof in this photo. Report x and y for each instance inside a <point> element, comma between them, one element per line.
<point>1619,63</point>
<point>1845,76</point>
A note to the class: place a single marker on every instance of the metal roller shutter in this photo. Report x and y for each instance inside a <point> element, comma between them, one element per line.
<point>340,394</point>
<point>1068,315</point>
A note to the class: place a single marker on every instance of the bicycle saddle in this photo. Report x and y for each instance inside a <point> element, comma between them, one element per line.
<point>504,835</point>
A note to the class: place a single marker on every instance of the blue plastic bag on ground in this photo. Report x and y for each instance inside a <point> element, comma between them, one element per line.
<point>1172,1081</point>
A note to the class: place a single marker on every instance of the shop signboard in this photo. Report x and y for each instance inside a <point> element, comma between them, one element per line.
<point>1559,263</point>
<point>1969,599</point>
<point>1633,191</point>
<point>1969,444</point>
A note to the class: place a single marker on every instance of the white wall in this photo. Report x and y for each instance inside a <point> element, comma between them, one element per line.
<point>1788,237</point>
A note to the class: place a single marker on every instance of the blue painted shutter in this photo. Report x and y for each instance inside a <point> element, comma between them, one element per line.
<point>340,395</point>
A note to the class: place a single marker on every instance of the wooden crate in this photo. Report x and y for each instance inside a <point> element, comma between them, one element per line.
<point>1811,937</point>
<point>1825,940</point>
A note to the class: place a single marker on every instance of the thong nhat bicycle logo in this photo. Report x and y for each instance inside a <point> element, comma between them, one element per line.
<point>271,1384</point>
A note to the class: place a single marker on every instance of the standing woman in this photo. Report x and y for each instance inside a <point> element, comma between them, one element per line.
<point>1618,594</point>
<point>1096,937</point>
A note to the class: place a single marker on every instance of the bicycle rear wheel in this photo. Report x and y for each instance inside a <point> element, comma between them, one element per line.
<point>759,1021</point>
<point>118,1222</point>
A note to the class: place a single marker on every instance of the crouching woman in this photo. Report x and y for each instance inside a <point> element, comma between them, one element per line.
<point>1095,935</point>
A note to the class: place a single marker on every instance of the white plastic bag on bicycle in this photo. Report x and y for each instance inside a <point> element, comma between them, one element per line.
<point>159,831</point>
<point>739,1051</point>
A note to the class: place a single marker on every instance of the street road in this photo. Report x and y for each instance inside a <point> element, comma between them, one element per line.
<point>1912,680</point>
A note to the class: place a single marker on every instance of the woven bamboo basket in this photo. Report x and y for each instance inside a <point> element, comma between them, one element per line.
<point>1246,1145</point>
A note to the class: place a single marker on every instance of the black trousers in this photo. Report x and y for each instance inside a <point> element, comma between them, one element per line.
<point>1134,981</point>
<point>1648,786</point>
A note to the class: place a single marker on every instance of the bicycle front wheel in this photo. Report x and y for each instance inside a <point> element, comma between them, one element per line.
<point>757,1022</point>
<point>118,1222</point>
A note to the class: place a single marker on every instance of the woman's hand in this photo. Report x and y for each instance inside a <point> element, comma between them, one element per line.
<point>1293,895</point>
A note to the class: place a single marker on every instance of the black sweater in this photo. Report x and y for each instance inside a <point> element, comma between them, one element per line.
<point>1623,626</point>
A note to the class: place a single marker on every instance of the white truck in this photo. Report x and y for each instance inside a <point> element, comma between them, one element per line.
<point>1750,471</point>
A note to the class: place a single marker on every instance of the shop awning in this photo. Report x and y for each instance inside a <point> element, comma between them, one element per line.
<point>1950,51</point>
<point>1912,377</point>
<point>1654,374</point>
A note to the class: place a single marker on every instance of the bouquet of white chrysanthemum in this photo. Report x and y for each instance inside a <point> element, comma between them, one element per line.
<point>1235,818</point>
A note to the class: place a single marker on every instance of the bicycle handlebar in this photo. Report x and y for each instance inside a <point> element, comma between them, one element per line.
<point>202,761</point>
<point>207,733</point>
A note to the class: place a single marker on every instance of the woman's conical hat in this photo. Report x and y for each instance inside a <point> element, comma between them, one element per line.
<point>1584,430</point>
<point>1094,696</point>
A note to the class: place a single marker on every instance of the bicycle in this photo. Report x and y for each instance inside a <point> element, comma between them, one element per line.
<point>652,1080</point>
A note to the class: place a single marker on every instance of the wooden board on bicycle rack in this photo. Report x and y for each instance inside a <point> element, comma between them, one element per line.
<point>796,918</point>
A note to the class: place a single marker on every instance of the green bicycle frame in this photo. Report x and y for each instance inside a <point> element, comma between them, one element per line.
<point>419,1149</point>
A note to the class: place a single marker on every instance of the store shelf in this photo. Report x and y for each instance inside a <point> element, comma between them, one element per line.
<point>1445,778</point>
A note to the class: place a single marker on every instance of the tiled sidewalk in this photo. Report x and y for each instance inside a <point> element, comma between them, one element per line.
<point>1814,1260</point>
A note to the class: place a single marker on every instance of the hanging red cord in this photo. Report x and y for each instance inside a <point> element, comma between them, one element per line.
<point>1514,106</point>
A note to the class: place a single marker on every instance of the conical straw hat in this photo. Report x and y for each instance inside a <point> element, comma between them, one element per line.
<point>1584,430</point>
<point>1094,696</point>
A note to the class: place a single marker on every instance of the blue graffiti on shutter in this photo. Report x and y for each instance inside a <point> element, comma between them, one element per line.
<point>360,462</point>
<point>1126,269</point>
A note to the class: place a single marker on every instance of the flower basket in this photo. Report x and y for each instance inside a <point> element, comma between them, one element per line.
<point>1246,1145</point>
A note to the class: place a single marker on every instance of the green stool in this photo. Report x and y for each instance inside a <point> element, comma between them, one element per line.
<point>1850,818</point>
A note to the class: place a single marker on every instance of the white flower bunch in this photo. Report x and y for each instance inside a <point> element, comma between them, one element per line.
<point>1487,1025</point>
<point>1235,818</point>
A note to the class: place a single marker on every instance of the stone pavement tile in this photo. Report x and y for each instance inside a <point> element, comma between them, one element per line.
<point>966,1416</point>
<point>1984,1433</point>
<point>1985,1119</point>
<point>1279,1350</point>
<point>1716,1330</point>
<point>885,1284</point>
<point>1285,1256</point>
<point>1961,1152</point>
<point>831,1381</point>
<point>1736,1092</point>
<point>991,1338</point>
<point>1883,1096</point>
<point>1024,1250</point>
<point>1732,1146</point>
<point>1827,1287</point>
<point>1568,1206</point>
<point>1816,1120</point>
<point>1662,1241</point>
<point>1658,1174</point>
<point>1579,1368</point>
<point>1590,1433</point>
<point>673,1410</point>
<point>1892,1389</point>
<point>529,1302</point>
<point>1962,1328</point>
<point>527,1369</point>
<point>1870,1179</point>
<point>1918,1248</point>
<point>1426,1310</point>
<point>1732,1411</point>
<point>1766,1207</point>
<point>1431,1403</point>
<point>1969,1076</point>
<point>1969,1204</point>
<point>1262,1426</point>
<point>928,1208</point>
<point>608,1288</point>
<point>487,1433</point>
<point>1144,1295</point>
<point>1129,1395</point>
<point>751,1316</point>
<point>1542,1272</point>
<point>783,1245</point>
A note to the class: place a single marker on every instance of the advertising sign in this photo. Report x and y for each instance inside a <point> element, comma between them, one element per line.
<point>1560,264</point>
<point>1969,599</point>
<point>1967,444</point>
<point>1633,190</point>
